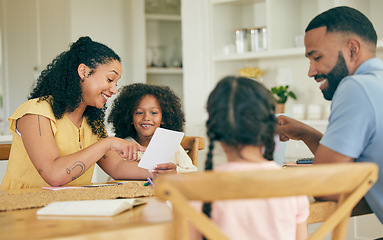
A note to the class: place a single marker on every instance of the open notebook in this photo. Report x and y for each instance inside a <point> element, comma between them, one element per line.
<point>109,207</point>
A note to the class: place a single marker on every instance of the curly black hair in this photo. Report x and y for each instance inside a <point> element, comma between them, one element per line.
<point>59,82</point>
<point>128,99</point>
<point>241,112</point>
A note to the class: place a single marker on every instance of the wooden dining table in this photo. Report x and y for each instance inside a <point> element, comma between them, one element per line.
<point>152,220</point>
<point>149,221</point>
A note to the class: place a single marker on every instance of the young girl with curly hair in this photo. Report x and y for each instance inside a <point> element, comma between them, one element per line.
<point>139,110</point>
<point>59,134</point>
<point>242,120</point>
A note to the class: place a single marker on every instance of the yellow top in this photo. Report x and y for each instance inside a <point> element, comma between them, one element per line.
<point>21,173</point>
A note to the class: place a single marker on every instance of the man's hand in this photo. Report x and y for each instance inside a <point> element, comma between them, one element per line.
<point>289,128</point>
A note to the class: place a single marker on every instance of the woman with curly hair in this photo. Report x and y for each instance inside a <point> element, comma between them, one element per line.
<point>59,133</point>
<point>139,110</point>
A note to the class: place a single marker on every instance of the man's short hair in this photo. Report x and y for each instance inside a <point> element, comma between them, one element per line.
<point>345,20</point>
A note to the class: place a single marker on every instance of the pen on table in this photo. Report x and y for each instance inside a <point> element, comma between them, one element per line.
<point>149,182</point>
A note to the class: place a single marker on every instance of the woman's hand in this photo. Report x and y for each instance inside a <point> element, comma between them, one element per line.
<point>164,168</point>
<point>127,149</point>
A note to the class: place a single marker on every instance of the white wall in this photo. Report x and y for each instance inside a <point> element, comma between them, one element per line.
<point>36,31</point>
<point>105,22</point>
<point>196,58</point>
<point>19,50</point>
<point>197,67</point>
<point>53,30</point>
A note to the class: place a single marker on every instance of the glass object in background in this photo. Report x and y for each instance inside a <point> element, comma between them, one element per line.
<point>176,56</point>
<point>314,112</point>
<point>172,7</point>
<point>156,56</point>
<point>241,40</point>
<point>299,111</point>
<point>150,56</point>
<point>254,39</point>
<point>160,60</point>
<point>280,147</point>
<point>279,151</point>
<point>152,5</point>
<point>263,38</point>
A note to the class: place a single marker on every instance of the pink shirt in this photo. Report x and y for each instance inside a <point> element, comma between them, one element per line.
<point>274,218</point>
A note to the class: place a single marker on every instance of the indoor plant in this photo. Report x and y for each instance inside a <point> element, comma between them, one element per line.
<point>281,94</point>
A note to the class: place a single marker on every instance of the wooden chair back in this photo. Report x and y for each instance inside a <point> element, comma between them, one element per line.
<point>192,145</point>
<point>350,180</point>
<point>5,149</point>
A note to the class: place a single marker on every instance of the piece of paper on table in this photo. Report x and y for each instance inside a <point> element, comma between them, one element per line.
<point>61,188</point>
<point>102,184</point>
<point>109,207</point>
<point>161,148</point>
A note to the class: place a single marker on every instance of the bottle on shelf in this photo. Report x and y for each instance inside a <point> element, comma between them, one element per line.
<point>254,39</point>
<point>241,40</point>
<point>263,38</point>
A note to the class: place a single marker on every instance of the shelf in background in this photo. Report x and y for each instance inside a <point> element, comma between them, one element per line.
<point>162,17</point>
<point>164,71</point>
<point>319,122</point>
<point>379,44</point>
<point>288,52</point>
<point>235,1</point>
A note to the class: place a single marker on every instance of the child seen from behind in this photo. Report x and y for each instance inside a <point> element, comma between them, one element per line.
<point>139,110</point>
<point>242,120</point>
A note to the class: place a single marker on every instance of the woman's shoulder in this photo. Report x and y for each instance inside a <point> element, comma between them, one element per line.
<point>34,106</point>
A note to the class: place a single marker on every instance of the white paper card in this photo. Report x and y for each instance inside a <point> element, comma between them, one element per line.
<point>109,207</point>
<point>161,148</point>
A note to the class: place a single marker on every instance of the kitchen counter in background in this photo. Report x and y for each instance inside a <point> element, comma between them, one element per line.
<point>5,139</point>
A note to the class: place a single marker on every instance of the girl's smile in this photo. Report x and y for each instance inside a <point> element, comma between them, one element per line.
<point>147,117</point>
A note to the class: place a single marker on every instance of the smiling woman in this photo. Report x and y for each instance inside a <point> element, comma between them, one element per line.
<point>59,134</point>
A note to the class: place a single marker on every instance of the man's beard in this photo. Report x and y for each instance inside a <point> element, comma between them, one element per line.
<point>334,77</point>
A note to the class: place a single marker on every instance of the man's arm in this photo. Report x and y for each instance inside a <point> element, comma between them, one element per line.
<point>289,128</point>
<point>327,155</point>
